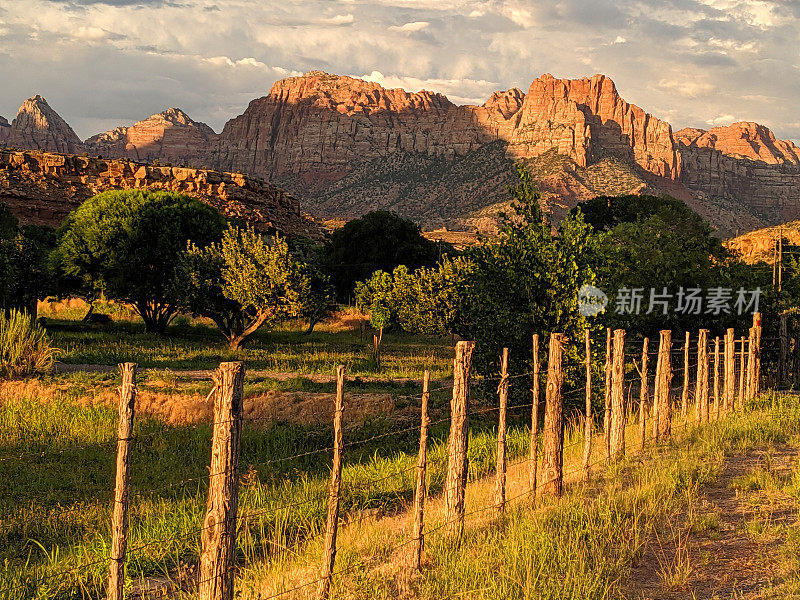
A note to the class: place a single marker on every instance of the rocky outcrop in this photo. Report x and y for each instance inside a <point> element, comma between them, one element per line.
<point>170,136</point>
<point>5,130</point>
<point>743,162</point>
<point>761,244</point>
<point>39,127</point>
<point>43,187</point>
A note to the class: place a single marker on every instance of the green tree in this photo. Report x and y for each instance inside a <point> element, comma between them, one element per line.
<point>242,283</point>
<point>378,241</point>
<point>125,244</point>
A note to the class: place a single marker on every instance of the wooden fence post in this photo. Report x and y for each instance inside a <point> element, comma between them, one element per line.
<point>533,463</point>
<point>663,382</point>
<point>757,375</point>
<point>332,524</point>
<point>553,440</point>
<point>701,396</point>
<point>456,482</point>
<point>607,414</point>
<point>119,525</point>
<point>783,364</point>
<point>742,376</point>
<point>716,378</point>
<point>686,377</point>
<point>730,371</point>
<point>751,365</point>
<point>501,434</point>
<point>618,412</point>
<point>421,491</point>
<point>219,526</point>
<point>643,393</point>
<point>587,421</point>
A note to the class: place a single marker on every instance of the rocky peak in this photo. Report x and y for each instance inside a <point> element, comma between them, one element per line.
<point>5,131</point>
<point>744,139</point>
<point>38,126</point>
<point>507,102</point>
<point>348,95</point>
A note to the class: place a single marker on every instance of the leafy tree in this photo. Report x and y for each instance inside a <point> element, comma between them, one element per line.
<point>125,244</point>
<point>242,283</point>
<point>378,241</point>
<point>606,212</point>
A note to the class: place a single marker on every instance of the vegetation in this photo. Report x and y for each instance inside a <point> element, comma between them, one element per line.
<point>25,348</point>
<point>125,245</point>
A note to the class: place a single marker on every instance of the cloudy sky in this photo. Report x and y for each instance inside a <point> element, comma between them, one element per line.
<point>102,63</point>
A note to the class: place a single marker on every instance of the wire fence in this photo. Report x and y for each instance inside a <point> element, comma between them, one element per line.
<point>566,427</point>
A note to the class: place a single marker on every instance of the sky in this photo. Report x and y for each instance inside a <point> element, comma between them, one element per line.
<point>104,63</point>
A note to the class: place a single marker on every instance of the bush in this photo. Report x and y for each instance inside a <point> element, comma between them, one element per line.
<point>24,346</point>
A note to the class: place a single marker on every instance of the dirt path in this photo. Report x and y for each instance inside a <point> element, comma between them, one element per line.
<point>730,542</point>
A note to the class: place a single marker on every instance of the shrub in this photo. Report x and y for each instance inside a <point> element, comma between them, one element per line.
<point>24,346</point>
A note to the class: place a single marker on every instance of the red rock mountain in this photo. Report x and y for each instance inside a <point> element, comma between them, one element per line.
<point>5,130</point>
<point>39,127</point>
<point>346,146</point>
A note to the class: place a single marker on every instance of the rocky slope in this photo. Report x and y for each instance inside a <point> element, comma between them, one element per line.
<point>170,136</point>
<point>5,130</point>
<point>761,244</point>
<point>43,187</point>
<point>346,146</point>
<point>39,127</point>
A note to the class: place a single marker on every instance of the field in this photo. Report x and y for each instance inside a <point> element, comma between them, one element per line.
<point>711,511</point>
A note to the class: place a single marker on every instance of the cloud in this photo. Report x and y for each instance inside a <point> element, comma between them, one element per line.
<point>619,40</point>
<point>686,87</point>
<point>721,120</point>
<point>411,27</point>
<point>341,19</point>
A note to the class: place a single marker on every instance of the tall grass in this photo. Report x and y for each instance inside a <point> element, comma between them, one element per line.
<point>24,346</point>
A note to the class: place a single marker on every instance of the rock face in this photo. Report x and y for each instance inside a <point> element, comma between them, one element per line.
<point>5,130</point>
<point>39,127</point>
<point>42,188</point>
<point>170,136</point>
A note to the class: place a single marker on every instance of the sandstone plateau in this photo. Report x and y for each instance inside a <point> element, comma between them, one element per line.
<point>43,187</point>
<point>345,146</point>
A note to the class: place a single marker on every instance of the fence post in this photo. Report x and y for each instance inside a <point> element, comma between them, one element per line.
<point>119,525</point>
<point>219,526</point>
<point>757,375</point>
<point>456,482</point>
<point>716,378</point>
<point>783,366</point>
<point>420,492</point>
<point>534,450</point>
<point>701,401</point>
<point>742,376</point>
<point>501,434</point>
<point>553,440</point>
<point>587,422</point>
<point>618,412</point>
<point>332,525</point>
<point>751,365</point>
<point>643,393</point>
<point>730,371</point>
<point>607,414</point>
<point>663,382</point>
<point>686,377</point>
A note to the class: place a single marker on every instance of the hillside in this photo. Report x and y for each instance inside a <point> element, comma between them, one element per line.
<point>760,245</point>
<point>345,146</point>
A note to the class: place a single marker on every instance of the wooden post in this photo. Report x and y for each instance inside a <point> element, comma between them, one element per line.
<point>553,440</point>
<point>219,526</point>
<point>783,364</point>
<point>607,414</point>
<point>751,365</point>
<point>119,526</point>
<point>456,482</point>
<point>686,377</point>
<point>643,393</point>
<point>663,382</point>
<point>501,434</point>
<point>618,413</point>
<point>701,401</point>
<point>421,490</point>
<point>742,376</point>
<point>757,354</point>
<point>332,525</point>
<point>587,421</point>
<point>533,463</point>
<point>716,378</point>
<point>730,371</point>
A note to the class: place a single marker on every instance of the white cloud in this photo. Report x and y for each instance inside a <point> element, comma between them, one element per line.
<point>411,27</point>
<point>619,40</point>
<point>721,120</point>
<point>341,19</point>
<point>687,87</point>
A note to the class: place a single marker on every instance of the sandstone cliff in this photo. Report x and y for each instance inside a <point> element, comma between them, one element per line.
<point>43,187</point>
<point>39,127</point>
<point>5,130</point>
<point>170,136</point>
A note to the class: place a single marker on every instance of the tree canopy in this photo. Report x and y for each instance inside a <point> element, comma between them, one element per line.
<point>125,244</point>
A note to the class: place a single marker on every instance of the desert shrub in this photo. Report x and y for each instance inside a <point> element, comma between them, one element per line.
<point>25,348</point>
